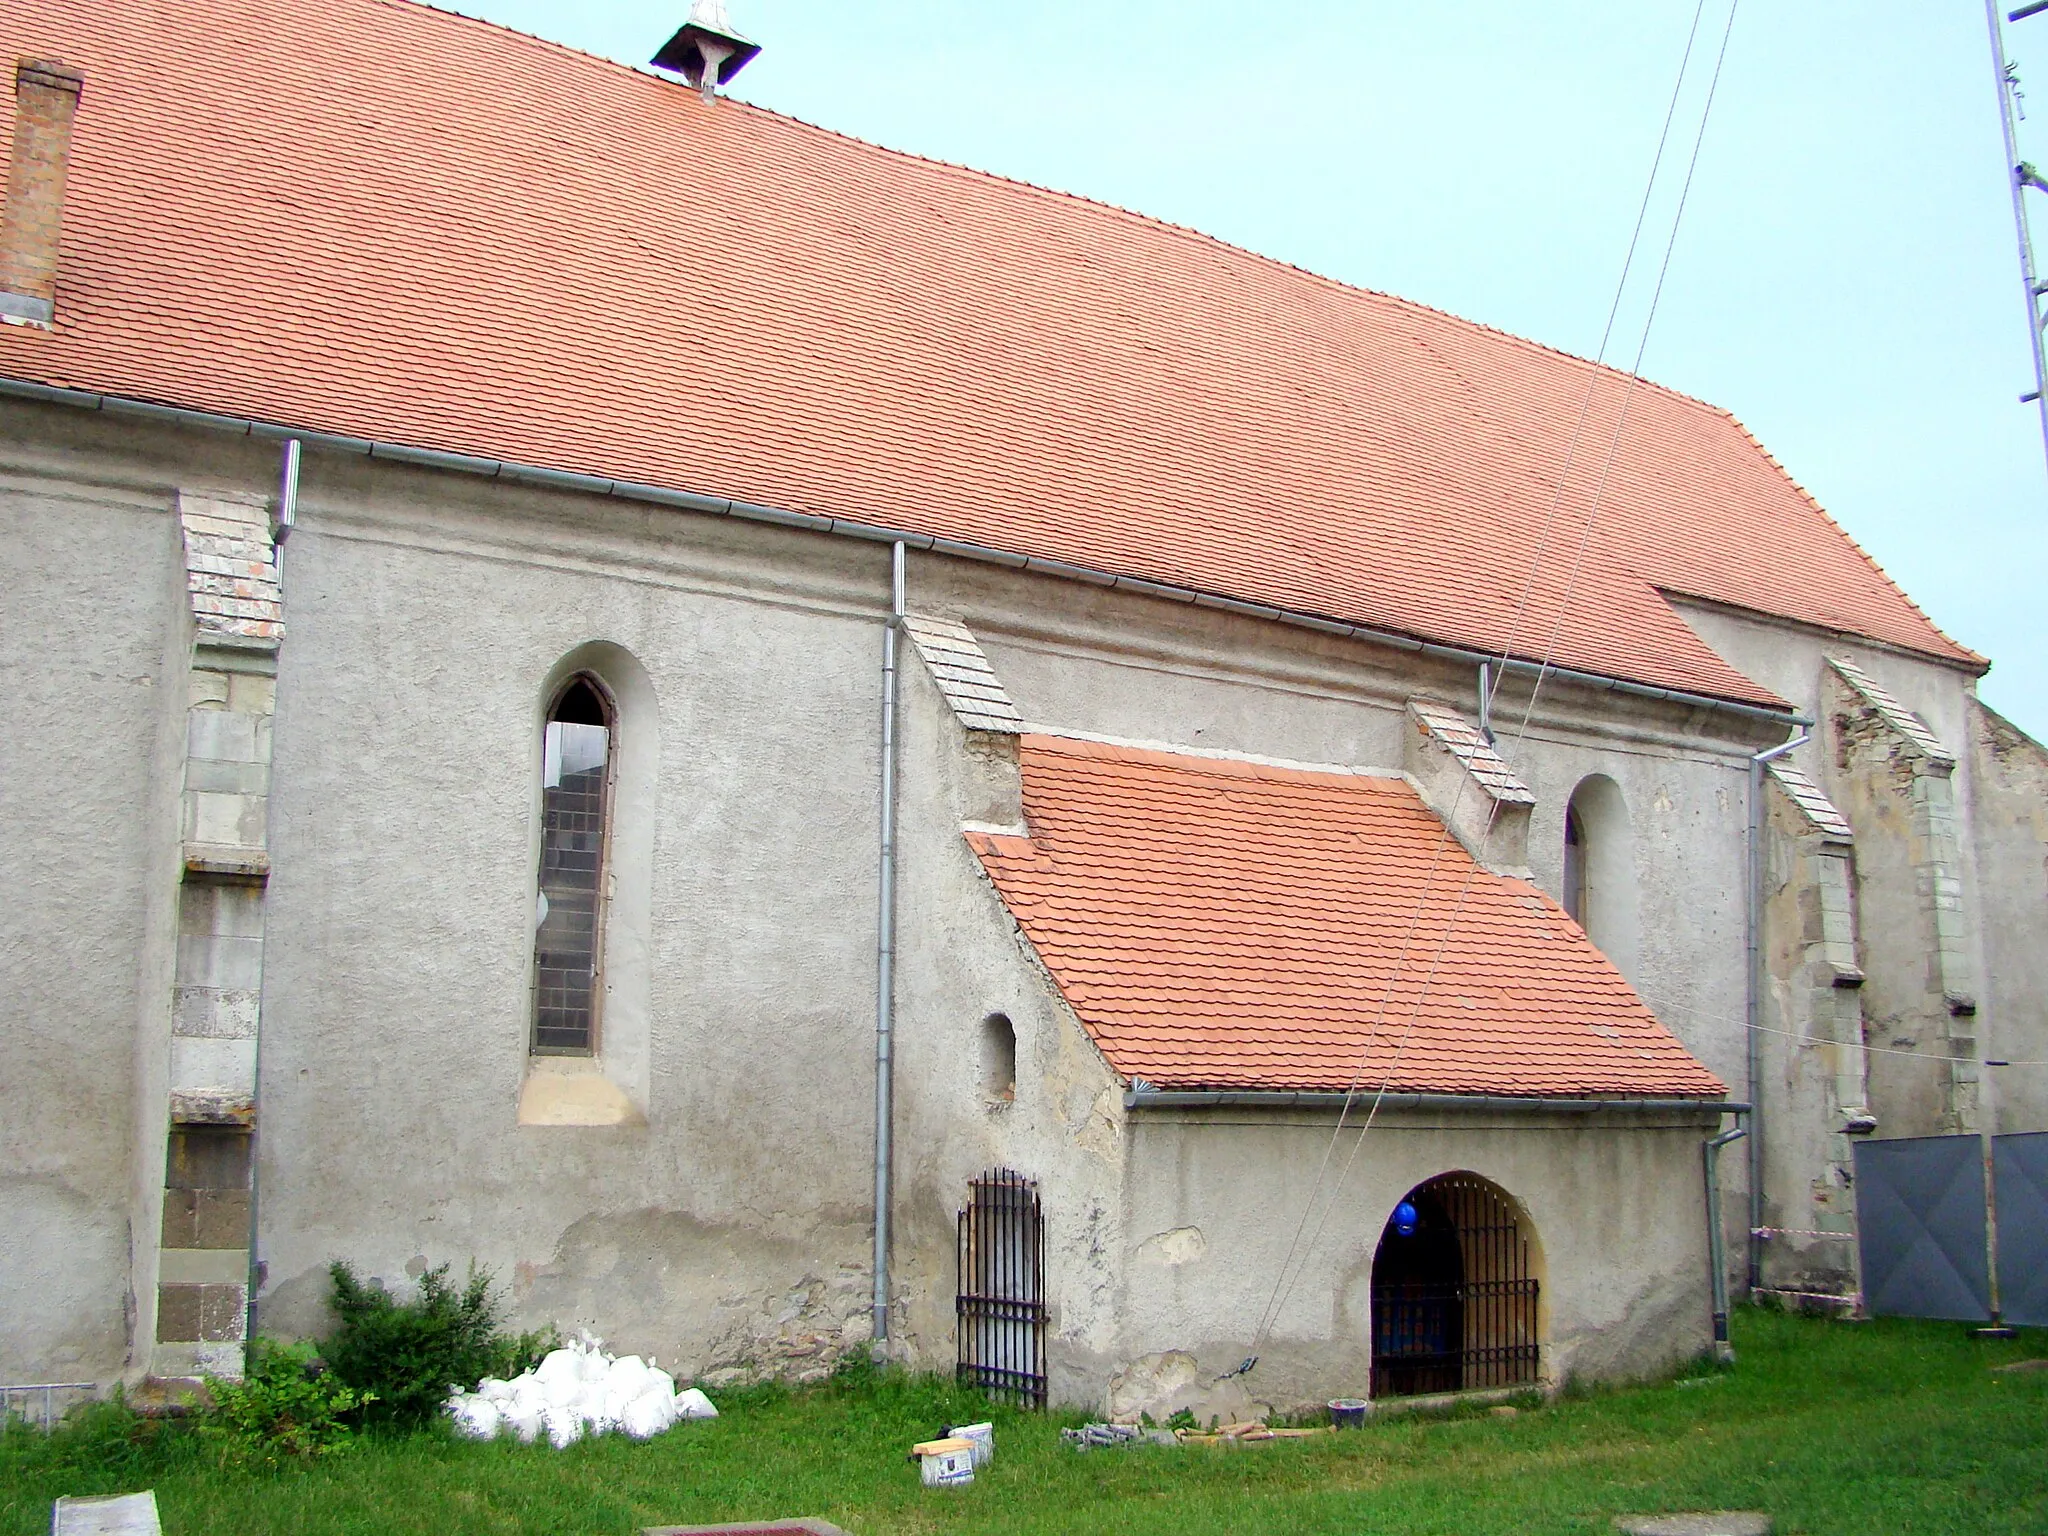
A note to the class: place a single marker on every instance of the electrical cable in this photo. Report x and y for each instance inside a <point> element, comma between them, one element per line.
<point>1507,648</point>
<point>1288,1275</point>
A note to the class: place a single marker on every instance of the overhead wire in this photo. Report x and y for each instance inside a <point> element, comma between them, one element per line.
<point>1508,645</point>
<point>1289,1272</point>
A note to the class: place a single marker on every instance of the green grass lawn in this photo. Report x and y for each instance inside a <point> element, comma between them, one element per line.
<point>1861,1429</point>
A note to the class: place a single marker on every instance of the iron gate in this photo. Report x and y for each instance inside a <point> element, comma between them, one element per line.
<point>1920,1226</point>
<point>1454,1307</point>
<point>2020,1161</point>
<point>1001,1287</point>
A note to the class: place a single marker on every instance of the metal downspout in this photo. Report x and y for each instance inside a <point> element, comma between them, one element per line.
<point>885,946</point>
<point>1753,920</point>
<point>286,520</point>
<point>1717,1260</point>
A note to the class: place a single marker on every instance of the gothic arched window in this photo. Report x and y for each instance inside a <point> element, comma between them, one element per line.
<point>576,767</point>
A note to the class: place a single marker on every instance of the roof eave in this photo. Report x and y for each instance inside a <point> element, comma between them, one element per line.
<point>599,485</point>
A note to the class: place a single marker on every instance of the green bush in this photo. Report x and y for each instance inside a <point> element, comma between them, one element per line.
<point>407,1354</point>
<point>287,1406</point>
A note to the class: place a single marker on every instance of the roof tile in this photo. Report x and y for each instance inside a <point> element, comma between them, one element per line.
<point>380,220</point>
<point>1221,924</point>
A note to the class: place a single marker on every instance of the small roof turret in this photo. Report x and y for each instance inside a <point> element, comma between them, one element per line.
<point>706,51</point>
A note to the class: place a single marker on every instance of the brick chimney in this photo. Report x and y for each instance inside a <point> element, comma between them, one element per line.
<point>45,100</point>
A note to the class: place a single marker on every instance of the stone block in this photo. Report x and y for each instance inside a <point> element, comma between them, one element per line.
<point>226,911</point>
<point>204,1266</point>
<point>201,1064</point>
<point>208,689</point>
<point>250,693</point>
<point>209,1013</point>
<point>1723,1522</point>
<point>207,1158</point>
<point>201,1313</point>
<point>223,961</point>
<point>226,820</point>
<point>227,735</point>
<point>215,777</point>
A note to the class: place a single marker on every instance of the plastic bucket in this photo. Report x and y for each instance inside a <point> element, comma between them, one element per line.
<point>984,1437</point>
<point>1347,1412</point>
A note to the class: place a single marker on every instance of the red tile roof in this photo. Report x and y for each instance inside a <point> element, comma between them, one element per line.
<point>371,218</point>
<point>1220,924</point>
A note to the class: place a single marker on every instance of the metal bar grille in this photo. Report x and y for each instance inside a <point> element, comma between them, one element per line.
<point>39,1401</point>
<point>1454,1305</point>
<point>1000,1309</point>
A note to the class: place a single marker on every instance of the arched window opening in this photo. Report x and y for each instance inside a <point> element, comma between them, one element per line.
<point>576,766</point>
<point>1599,887</point>
<point>1574,866</point>
<point>1454,1295</point>
<point>998,1059</point>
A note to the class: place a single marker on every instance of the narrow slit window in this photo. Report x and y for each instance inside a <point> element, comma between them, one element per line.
<point>1574,865</point>
<point>569,915</point>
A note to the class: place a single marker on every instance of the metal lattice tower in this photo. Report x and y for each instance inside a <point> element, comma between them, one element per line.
<point>2021,175</point>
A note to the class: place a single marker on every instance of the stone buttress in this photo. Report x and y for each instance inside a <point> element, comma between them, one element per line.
<point>231,579</point>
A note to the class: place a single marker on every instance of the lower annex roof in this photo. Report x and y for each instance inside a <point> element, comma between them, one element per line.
<point>1218,924</point>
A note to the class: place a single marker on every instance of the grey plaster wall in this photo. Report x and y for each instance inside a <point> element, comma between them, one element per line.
<point>725,1226</point>
<point>722,1220</point>
<point>2009,771</point>
<point>1616,1215</point>
<point>85,936</point>
<point>963,960</point>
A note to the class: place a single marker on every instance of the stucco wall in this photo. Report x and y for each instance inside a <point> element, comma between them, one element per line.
<point>725,1220</point>
<point>2009,772</point>
<point>1616,1212</point>
<point>94,603</point>
<point>727,1225</point>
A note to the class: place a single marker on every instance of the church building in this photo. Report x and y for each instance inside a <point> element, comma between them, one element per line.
<point>798,748</point>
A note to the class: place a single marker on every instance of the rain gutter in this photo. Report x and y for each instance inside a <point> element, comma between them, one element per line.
<point>1234,1098</point>
<point>720,506</point>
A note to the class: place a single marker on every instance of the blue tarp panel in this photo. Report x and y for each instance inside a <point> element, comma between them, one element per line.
<point>2021,1165</point>
<point>1920,1208</point>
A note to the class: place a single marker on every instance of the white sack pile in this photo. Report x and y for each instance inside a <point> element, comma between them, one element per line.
<point>576,1391</point>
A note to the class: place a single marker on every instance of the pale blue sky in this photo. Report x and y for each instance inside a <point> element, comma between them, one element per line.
<point>1845,282</point>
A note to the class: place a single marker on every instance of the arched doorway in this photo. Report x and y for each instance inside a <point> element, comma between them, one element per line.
<point>1454,1292</point>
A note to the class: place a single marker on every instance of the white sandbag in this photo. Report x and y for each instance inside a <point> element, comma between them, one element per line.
<point>648,1415</point>
<point>524,1422</point>
<point>693,1404</point>
<point>564,1427</point>
<point>476,1417</point>
<point>496,1390</point>
<point>660,1381</point>
<point>560,1365</point>
<point>589,1405</point>
<point>627,1376</point>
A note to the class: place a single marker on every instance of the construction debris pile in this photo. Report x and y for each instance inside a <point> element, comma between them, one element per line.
<point>575,1391</point>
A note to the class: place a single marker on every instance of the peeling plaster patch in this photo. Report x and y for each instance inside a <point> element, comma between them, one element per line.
<point>1183,1245</point>
<point>1161,1385</point>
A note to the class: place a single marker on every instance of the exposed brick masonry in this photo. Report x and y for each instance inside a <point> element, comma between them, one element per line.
<point>45,101</point>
